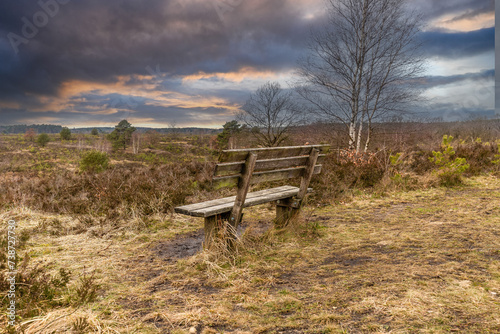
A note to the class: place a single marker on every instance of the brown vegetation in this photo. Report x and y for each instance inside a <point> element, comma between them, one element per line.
<point>380,246</point>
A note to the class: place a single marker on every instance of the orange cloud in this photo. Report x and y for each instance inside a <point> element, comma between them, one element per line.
<point>480,21</point>
<point>242,74</point>
<point>72,93</point>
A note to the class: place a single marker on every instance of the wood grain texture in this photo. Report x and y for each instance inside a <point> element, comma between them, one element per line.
<point>243,186</point>
<point>308,173</point>
<point>271,152</point>
<point>266,176</point>
<point>211,208</point>
<point>235,168</point>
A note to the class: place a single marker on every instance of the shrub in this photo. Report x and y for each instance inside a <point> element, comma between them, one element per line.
<point>36,289</point>
<point>30,134</point>
<point>117,192</point>
<point>43,139</point>
<point>479,156</point>
<point>86,290</point>
<point>450,170</point>
<point>496,158</point>
<point>364,169</point>
<point>94,161</point>
<point>343,171</point>
<point>65,134</point>
<point>420,161</point>
<point>94,132</point>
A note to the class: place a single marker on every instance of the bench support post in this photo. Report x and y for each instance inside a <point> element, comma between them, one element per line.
<point>308,173</point>
<point>243,186</point>
<point>288,209</point>
<point>213,226</point>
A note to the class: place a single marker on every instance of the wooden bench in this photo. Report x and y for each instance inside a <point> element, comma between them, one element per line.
<point>244,167</point>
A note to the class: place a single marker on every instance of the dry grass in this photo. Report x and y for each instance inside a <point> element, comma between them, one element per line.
<point>423,261</point>
<point>378,249</point>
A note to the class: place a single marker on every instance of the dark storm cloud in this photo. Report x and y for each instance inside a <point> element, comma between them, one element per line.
<point>434,81</point>
<point>157,114</point>
<point>459,44</point>
<point>451,112</point>
<point>102,41</point>
<point>98,41</point>
<point>461,8</point>
<point>180,114</point>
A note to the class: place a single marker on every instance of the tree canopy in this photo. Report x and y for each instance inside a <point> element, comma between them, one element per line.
<point>42,139</point>
<point>230,129</point>
<point>65,133</point>
<point>121,135</point>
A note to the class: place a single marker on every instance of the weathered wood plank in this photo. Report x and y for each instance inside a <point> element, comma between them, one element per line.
<point>234,168</point>
<point>186,209</point>
<point>249,202</point>
<point>255,198</point>
<point>266,176</point>
<point>228,168</point>
<point>243,186</point>
<point>280,174</point>
<point>308,173</point>
<point>271,152</point>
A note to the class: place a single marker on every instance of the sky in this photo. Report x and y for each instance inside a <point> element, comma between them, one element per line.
<point>183,63</point>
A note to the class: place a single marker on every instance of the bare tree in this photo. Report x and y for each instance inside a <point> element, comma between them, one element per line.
<point>102,145</point>
<point>81,138</point>
<point>363,65</point>
<point>172,125</point>
<point>270,113</point>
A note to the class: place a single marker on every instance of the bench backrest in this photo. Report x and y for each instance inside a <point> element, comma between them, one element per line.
<point>272,164</point>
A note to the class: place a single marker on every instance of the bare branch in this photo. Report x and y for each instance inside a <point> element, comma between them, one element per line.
<point>270,112</point>
<point>363,64</point>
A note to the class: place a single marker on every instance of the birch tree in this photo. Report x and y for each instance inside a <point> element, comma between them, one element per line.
<point>363,65</point>
<point>136,142</point>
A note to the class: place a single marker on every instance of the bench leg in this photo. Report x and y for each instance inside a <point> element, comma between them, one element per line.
<point>286,210</point>
<point>211,230</point>
<point>213,226</point>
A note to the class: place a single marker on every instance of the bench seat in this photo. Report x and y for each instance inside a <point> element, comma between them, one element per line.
<point>222,205</point>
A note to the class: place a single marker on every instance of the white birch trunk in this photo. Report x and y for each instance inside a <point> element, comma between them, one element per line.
<point>360,130</point>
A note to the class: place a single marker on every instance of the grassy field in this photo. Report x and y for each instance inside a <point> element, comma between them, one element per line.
<point>402,256</point>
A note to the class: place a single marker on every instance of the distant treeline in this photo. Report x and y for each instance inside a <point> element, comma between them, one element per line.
<point>49,128</point>
<point>22,128</point>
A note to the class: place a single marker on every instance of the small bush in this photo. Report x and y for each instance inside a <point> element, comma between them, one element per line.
<point>86,290</point>
<point>450,170</point>
<point>42,139</point>
<point>65,134</point>
<point>36,290</point>
<point>364,169</point>
<point>344,170</point>
<point>479,156</point>
<point>94,161</point>
<point>419,161</point>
